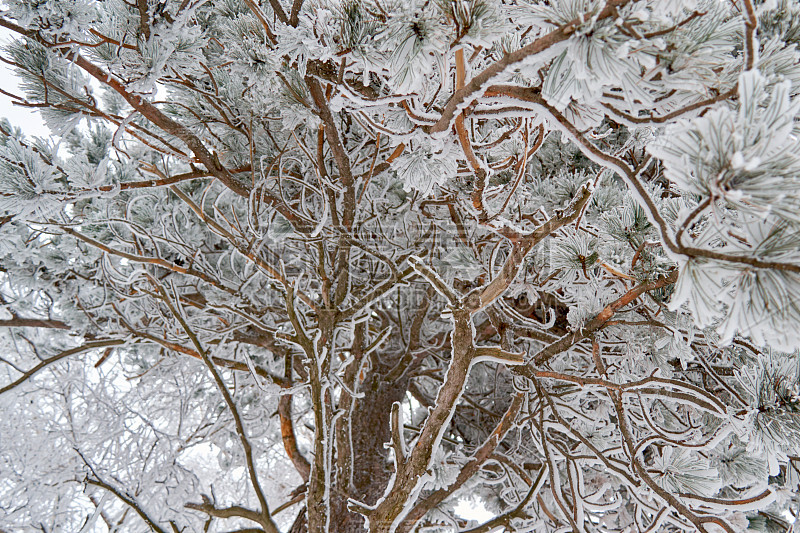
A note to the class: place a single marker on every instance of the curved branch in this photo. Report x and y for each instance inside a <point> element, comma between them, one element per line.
<point>66,353</point>
<point>266,518</point>
<point>300,463</point>
<point>519,510</point>
<point>652,121</point>
<point>127,500</point>
<point>481,297</point>
<point>476,86</point>
<point>596,323</point>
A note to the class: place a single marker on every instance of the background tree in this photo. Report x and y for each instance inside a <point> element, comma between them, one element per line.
<point>334,266</point>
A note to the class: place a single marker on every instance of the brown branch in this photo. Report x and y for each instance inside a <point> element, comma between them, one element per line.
<point>742,260</point>
<point>297,5</point>
<point>221,361</point>
<point>674,114</point>
<point>659,388</point>
<point>144,20</point>
<point>687,20</point>
<point>481,297</point>
<point>253,7</point>
<point>728,503</point>
<point>66,353</point>
<point>453,298</point>
<point>278,9</point>
<point>341,265</point>
<point>265,517</point>
<point>18,322</point>
<point>596,323</point>
<point>156,261</point>
<point>410,473</point>
<point>104,39</point>
<point>371,170</point>
<point>397,442</point>
<point>318,494</point>
<point>474,88</point>
<point>331,131</point>
<point>344,429</point>
<point>750,26</point>
<point>300,463</point>
<point>468,470</point>
<point>235,511</point>
<point>466,145</point>
<point>154,115</point>
<point>146,184</point>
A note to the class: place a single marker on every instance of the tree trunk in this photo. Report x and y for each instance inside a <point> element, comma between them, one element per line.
<point>372,467</point>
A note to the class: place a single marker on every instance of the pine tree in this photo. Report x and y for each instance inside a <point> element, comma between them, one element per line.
<point>341,266</point>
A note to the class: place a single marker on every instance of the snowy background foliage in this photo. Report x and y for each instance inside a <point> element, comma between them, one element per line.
<point>345,266</point>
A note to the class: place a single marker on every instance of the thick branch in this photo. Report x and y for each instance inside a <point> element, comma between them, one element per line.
<point>407,483</point>
<point>235,511</point>
<point>144,19</point>
<point>481,297</point>
<point>466,145</point>
<point>300,463</point>
<point>471,468</point>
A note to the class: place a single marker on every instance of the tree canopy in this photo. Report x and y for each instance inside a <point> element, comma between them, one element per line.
<point>341,266</point>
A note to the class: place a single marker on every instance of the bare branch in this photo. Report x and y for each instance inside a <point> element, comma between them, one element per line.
<point>19,322</point>
<point>91,345</point>
<point>266,519</point>
<point>127,500</point>
<point>234,511</point>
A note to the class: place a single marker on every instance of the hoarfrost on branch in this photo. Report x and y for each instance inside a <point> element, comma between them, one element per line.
<point>340,266</point>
